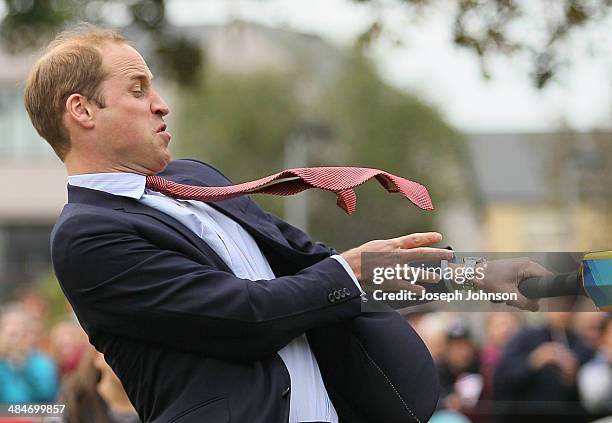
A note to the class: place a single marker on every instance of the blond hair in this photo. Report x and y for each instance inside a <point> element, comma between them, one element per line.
<point>71,64</point>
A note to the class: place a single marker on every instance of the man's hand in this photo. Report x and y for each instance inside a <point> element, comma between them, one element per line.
<point>413,248</point>
<point>505,275</point>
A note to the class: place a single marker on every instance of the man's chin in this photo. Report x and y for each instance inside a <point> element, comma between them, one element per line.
<point>159,166</point>
<point>163,164</point>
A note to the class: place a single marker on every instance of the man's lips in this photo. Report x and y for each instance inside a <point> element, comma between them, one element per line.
<point>161,130</point>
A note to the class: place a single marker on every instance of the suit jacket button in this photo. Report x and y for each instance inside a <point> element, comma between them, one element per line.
<point>331,298</point>
<point>346,291</point>
<point>286,391</point>
<point>337,295</point>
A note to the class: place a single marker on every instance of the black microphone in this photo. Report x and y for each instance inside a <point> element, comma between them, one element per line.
<point>564,284</point>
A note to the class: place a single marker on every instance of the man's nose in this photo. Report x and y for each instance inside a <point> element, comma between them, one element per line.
<point>158,105</point>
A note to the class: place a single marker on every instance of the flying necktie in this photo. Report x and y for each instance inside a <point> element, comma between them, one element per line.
<point>340,180</point>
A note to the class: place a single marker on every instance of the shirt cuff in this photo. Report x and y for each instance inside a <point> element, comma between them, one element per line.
<point>348,269</point>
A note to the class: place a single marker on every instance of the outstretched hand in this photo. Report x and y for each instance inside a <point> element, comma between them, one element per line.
<point>413,248</point>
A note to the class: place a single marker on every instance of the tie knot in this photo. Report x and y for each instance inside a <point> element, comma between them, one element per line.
<point>156,183</point>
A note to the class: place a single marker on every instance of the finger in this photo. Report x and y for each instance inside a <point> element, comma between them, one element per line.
<point>424,254</point>
<point>535,270</point>
<point>422,258</point>
<point>524,303</point>
<point>417,289</point>
<point>428,277</point>
<point>416,240</point>
<point>399,285</point>
<point>418,275</point>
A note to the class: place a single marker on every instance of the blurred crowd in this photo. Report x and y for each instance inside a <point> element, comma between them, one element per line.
<point>56,365</point>
<point>493,367</point>
<point>557,368</point>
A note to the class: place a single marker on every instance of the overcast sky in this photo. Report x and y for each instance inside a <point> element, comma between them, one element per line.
<point>430,65</point>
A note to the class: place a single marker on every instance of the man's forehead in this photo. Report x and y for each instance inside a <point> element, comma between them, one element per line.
<point>124,60</point>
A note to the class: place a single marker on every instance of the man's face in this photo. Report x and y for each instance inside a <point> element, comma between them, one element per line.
<point>131,131</point>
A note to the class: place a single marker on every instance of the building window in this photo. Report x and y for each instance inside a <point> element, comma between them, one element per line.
<point>19,138</point>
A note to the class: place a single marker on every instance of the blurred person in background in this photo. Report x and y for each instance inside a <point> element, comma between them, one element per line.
<point>587,325</point>
<point>26,374</point>
<point>33,303</point>
<point>458,369</point>
<point>500,328</point>
<point>431,327</point>
<point>536,377</point>
<point>94,394</point>
<point>67,343</point>
<point>595,377</point>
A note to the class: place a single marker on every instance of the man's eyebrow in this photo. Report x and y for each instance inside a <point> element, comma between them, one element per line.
<point>142,76</point>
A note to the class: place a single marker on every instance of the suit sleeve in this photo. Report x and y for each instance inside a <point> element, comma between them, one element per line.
<point>122,284</point>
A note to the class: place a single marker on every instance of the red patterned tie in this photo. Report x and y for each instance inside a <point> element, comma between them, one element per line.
<point>340,180</point>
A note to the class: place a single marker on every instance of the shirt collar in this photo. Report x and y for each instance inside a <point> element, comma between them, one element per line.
<point>117,183</point>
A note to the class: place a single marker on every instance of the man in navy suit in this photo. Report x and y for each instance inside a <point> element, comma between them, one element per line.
<point>210,312</point>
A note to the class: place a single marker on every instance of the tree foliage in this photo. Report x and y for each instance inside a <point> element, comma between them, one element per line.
<point>538,28</point>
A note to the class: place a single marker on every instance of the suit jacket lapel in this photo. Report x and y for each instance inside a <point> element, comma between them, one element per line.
<point>133,206</point>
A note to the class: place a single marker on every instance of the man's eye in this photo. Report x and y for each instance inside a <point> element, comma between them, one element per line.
<point>137,93</point>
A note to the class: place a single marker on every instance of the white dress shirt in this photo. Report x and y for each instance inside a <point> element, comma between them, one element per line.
<point>309,399</point>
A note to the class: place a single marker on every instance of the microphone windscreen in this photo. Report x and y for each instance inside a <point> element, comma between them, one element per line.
<point>597,278</point>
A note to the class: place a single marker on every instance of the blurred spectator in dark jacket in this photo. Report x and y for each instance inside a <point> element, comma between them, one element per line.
<point>536,377</point>
<point>94,394</point>
<point>26,374</point>
<point>595,377</point>
<point>458,369</point>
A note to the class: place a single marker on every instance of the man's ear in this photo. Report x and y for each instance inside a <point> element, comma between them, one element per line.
<point>80,110</point>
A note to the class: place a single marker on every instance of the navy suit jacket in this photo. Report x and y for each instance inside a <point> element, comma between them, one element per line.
<point>191,342</point>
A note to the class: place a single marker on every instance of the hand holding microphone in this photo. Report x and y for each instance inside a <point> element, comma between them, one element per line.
<point>593,279</point>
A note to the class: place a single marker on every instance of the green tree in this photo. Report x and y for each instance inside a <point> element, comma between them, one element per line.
<point>540,29</point>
